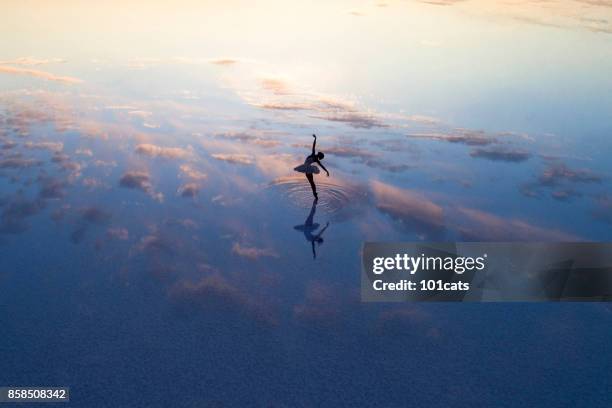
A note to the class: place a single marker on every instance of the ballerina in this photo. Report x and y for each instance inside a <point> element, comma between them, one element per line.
<point>309,168</point>
<point>309,228</point>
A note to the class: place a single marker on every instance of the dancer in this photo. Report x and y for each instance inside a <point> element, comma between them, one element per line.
<point>309,168</point>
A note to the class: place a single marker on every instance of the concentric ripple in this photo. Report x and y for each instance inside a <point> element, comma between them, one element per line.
<point>334,196</point>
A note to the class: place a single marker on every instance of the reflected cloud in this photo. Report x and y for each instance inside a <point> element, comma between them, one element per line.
<point>39,74</point>
<point>235,158</point>
<point>32,61</point>
<point>223,61</point>
<point>569,15</point>
<point>88,216</point>
<point>51,188</point>
<point>558,174</point>
<point>152,150</point>
<point>17,161</point>
<point>118,233</point>
<point>462,136</point>
<point>321,305</point>
<point>279,94</point>
<point>565,195</point>
<point>215,293</point>
<point>192,173</point>
<point>411,209</point>
<point>476,225</point>
<point>15,213</point>
<point>189,190</point>
<point>139,180</point>
<point>258,138</point>
<point>252,252</point>
<point>501,154</point>
<point>50,146</point>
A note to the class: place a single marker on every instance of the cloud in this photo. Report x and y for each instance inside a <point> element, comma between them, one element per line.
<point>570,14</point>
<point>94,215</point>
<point>321,305</point>
<point>155,244</point>
<point>141,114</point>
<point>51,146</point>
<point>88,216</point>
<point>276,86</point>
<point>501,154</point>
<point>358,120</point>
<point>189,190</point>
<point>16,161</point>
<point>462,136</point>
<point>366,157</point>
<point>223,61</point>
<point>346,151</point>
<point>93,183</point>
<point>51,188</point>
<point>136,179</point>
<point>441,2</point>
<point>215,293</point>
<point>235,158</point>
<point>278,94</point>
<point>476,225</point>
<point>558,173</point>
<point>118,233</point>
<point>8,144</point>
<point>152,150</point>
<point>253,252</point>
<point>259,139</point>
<point>84,152</point>
<point>565,195</point>
<point>15,212</point>
<point>64,163</point>
<point>385,166</point>
<point>192,173</point>
<point>39,74</point>
<point>32,61</point>
<point>411,209</point>
<point>139,180</point>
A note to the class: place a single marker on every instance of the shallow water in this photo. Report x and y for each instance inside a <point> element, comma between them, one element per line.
<point>159,250</point>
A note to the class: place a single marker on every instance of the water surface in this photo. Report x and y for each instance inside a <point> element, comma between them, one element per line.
<point>152,228</point>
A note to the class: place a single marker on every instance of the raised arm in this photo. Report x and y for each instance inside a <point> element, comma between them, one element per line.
<point>314,143</point>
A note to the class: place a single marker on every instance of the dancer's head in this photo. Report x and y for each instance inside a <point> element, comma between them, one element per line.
<point>320,155</point>
<point>319,240</point>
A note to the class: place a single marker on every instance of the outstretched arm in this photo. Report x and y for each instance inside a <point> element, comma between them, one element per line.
<point>323,167</point>
<point>322,231</point>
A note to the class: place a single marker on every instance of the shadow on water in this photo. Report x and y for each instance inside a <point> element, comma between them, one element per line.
<point>309,228</point>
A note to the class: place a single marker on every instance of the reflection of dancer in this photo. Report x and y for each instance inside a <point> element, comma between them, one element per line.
<point>309,168</point>
<point>309,227</point>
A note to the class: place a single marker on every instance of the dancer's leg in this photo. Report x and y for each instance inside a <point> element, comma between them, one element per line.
<point>312,185</point>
